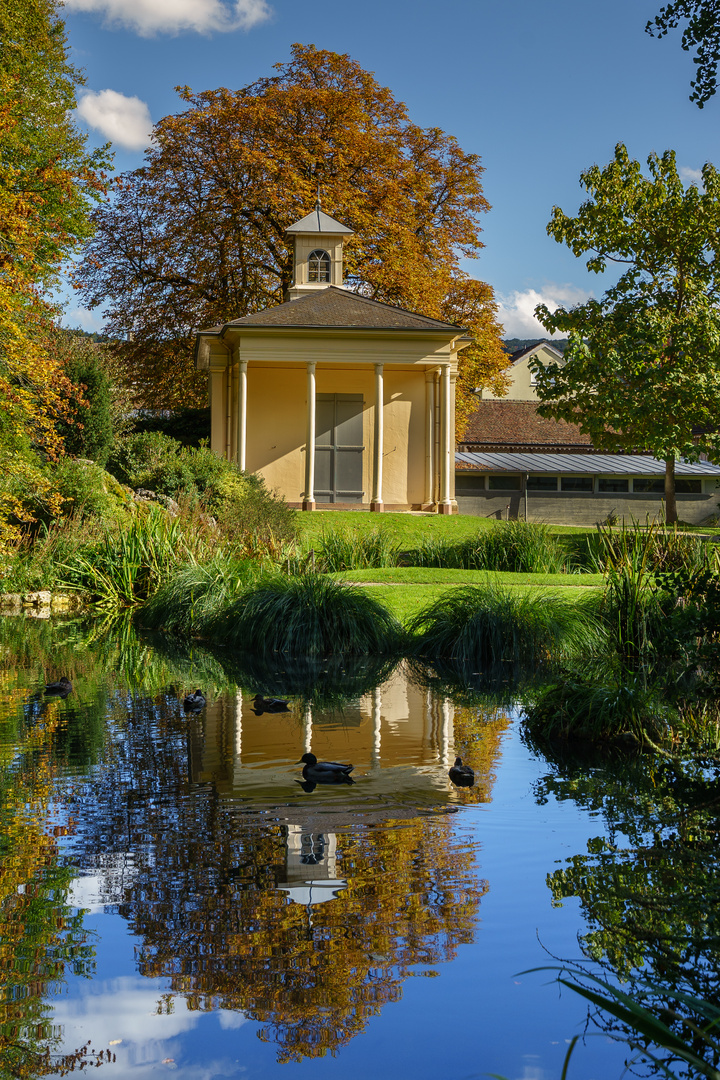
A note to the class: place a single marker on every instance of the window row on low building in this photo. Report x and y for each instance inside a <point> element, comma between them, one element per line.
<point>645,485</point>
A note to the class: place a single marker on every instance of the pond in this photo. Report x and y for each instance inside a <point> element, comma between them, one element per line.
<point>172,893</point>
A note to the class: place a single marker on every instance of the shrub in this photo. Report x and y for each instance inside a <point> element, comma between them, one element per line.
<point>155,461</point>
<point>307,616</point>
<point>88,491</point>
<point>488,625</point>
<point>88,433</point>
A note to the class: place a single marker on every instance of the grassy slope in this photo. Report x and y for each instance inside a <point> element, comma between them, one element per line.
<point>405,591</point>
<point>408,528</point>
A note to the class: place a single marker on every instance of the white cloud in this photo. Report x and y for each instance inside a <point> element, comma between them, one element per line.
<point>149,17</point>
<point>690,176</point>
<point>516,310</point>
<point>82,318</point>
<point>123,120</point>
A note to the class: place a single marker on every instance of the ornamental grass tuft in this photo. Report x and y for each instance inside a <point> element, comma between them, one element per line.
<point>307,616</point>
<point>488,625</point>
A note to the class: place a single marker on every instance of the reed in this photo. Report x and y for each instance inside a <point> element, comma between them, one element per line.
<point>344,549</point>
<point>514,546</point>
<point>193,597</point>
<point>487,625</point>
<point>306,616</point>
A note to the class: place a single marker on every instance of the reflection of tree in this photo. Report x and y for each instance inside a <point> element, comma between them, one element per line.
<point>204,898</point>
<point>650,890</point>
<point>40,937</point>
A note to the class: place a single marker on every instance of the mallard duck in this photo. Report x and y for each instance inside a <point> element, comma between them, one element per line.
<point>325,772</point>
<point>194,702</point>
<point>61,688</point>
<point>461,775</point>
<point>268,704</point>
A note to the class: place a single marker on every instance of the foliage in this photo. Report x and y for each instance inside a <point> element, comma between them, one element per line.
<point>515,546</point>
<point>86,428</point>
<point>578,707</point>
<point>306,616</point>
<point>194,595</point>
<point>642,368</point>
<point>191,427</point>
<point>197,236</point>
<point>47,185</point>
<point>490,626</point>
<point>126,565</point>
<point>349,549</point>
<point>702,33</point>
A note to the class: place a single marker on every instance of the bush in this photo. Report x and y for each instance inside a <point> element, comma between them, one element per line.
<point>487,625</point>
<point>576,708</point>
<point>155,461</point>
<point>88,491</point>
<point>307,616</point>
<point>191,427</point>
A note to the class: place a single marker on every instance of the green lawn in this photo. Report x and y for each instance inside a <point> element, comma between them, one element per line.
<point>406,591</point>
<point>407,528</point>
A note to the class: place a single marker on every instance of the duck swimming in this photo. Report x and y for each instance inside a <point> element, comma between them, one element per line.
<point>268,704</point>
<point>325,772</point>
<point>461,775</point>
<point>61,688</point>
<point>194,702</point>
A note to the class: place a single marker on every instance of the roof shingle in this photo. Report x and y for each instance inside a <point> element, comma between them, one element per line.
<point>516,425</point>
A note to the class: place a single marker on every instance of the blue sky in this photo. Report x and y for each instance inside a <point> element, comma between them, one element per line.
<point>539,90</point>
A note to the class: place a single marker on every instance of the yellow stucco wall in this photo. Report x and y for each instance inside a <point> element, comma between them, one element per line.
<point>521,386</point>
<point>277,415</point>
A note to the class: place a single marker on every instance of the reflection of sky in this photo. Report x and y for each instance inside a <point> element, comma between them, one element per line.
<point>123,1015</point>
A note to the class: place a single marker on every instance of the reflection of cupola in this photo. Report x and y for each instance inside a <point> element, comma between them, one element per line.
<point>317,250</point>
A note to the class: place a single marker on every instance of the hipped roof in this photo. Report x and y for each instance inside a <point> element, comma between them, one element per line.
<point>337,308</point>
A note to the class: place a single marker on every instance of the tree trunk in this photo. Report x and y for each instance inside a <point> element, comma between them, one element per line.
<point>670,501</point>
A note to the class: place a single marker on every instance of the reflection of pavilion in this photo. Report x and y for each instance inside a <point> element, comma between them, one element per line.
<point>399,736</point>
<point>310,866</point>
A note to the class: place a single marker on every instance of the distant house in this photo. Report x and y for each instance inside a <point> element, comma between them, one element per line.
<point>522,379</point>
<point>338,401</point>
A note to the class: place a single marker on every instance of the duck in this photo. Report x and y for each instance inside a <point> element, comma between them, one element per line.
<point>325,772</point>
<point>61,688</point>
<point>461,775</point>
<point>194,702</point>
<point>269,704</point>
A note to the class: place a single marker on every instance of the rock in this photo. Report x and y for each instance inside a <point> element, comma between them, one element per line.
<point>37,599</point>
<point>144,495</point>
<point>10,603</point>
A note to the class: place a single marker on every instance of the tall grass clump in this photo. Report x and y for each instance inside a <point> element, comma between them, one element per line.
<point>344,549</point>
<point>189,601</point>
<point>124,566</point>
<point>576,707</point>
<point>519,547</point>
<point>489,625</point>
<point>661,548</point>
<point>307,616</point>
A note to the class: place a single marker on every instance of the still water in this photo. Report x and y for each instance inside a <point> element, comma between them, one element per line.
<point>172,893</point>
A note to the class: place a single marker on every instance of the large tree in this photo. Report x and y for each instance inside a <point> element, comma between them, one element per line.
<point>642,368</point>
<point>701,32</point>
<point>47,184</point>
<point>197,236</point>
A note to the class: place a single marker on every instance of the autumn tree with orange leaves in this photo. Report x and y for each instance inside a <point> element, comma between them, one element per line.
<point>47,185</point>
<point>197,236</point>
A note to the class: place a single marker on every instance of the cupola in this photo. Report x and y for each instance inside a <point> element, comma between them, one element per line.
<point>317,253</point>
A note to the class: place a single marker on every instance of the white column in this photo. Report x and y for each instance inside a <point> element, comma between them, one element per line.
<point>376,724</point>
<point>309,500</point>
<point>446,731</point>
<point>307,730</point>
<point>445,506</point>
<point>429,437</point>
<point>376,503</point>
<point>242,415</point>
<point>228,411</point>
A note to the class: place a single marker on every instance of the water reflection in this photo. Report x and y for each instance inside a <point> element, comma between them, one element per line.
<point>303,912</point>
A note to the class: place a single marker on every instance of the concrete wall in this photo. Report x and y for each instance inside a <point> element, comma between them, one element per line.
<point>578,508</point>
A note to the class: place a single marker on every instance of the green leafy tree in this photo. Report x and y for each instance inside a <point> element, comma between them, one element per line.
<point>642,368</point>
<point>701,33</point>
<point>87,431</point>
